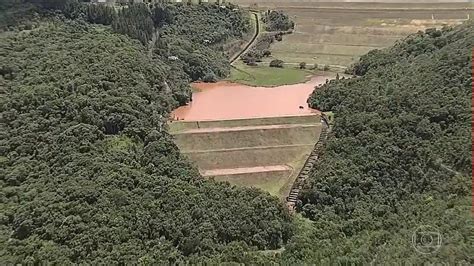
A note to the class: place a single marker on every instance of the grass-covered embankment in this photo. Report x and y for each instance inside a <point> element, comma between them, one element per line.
<point>265,76</point>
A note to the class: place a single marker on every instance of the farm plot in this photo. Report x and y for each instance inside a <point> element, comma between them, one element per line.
<point>338,33</point>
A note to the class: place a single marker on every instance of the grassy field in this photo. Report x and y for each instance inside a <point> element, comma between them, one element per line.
<point>199,141</point>
<point>277,183</point>
<point>248,157</point>
<point>180,126</point>
<point>272,182</point>
<point>263,75</point>
<point>336,34</point>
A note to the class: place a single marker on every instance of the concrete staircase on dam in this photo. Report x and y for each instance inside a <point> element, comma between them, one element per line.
<point>267,153</point>
<point>298,184</point>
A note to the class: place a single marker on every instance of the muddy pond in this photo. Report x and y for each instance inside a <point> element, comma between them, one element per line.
<point>225,100</point>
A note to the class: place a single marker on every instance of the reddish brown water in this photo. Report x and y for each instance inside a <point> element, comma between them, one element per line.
<point>226,100</point>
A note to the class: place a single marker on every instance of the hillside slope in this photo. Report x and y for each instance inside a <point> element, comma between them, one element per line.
<point>89,174</point>
<point>400,157</point>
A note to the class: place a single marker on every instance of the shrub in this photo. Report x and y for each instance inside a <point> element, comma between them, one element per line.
<point>276,63</point>
<point>209,77</point>
<point>277,21</point>
<point>251,62</point>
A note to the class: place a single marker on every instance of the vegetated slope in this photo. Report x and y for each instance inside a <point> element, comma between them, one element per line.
<point>399,157</point>
<point>276,24</point>
<point>189,38</point>
<point>195,35</point>
<point>89,175</point>
<point>10,17</point>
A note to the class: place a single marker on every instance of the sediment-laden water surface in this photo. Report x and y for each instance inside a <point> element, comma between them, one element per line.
<point>226,100</point>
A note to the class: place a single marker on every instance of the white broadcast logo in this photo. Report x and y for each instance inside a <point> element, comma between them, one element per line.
<point>426,239</point>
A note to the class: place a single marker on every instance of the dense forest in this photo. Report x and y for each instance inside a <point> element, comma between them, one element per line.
<point>399,157</point>
<point>193,41</point>
<point>90,174</point>
<point>191,35</point>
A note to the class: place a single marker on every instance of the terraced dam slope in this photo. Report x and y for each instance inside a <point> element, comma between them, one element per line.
<point>266,153</point>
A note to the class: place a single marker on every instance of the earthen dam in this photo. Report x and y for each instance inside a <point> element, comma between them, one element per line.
<point>249,136</point>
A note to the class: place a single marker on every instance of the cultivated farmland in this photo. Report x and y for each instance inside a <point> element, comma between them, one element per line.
<point>338,33</point>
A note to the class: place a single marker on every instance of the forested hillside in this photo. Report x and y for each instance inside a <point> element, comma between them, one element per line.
<point>399,157</point>
<point>89,173</point>
<point>194,37</point>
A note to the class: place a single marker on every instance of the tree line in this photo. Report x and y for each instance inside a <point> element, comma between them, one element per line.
<point>189,37</point>
<point>399,158</point>
<point>90,174</point>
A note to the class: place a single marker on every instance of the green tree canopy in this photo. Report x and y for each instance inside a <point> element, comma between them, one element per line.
<point>399,157</point>
<point>90,174</point>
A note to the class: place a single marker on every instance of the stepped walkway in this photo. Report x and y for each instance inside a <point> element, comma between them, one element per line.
<point>292,197</point>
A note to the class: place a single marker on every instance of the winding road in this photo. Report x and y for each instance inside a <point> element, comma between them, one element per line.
<point>252,41</point>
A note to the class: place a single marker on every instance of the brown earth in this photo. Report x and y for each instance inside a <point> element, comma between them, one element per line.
<point>246,170</point>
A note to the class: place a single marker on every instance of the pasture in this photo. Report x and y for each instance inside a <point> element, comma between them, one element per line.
<point>265,76</point>
<point>336,34</point>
